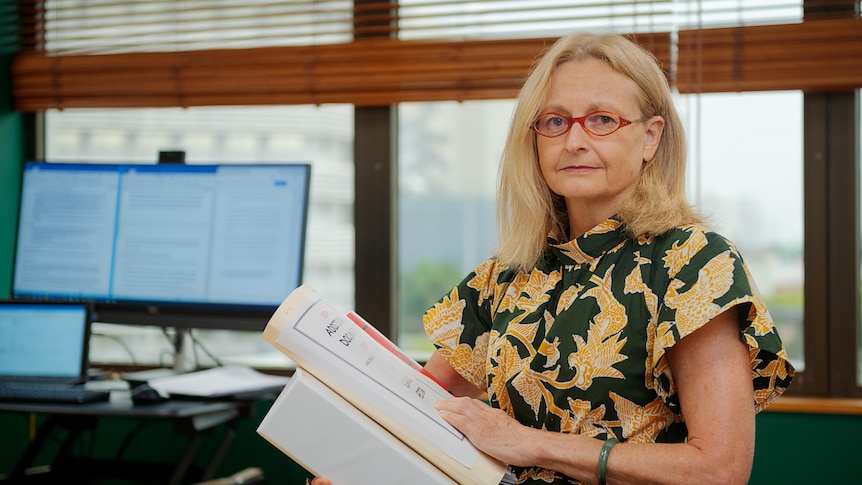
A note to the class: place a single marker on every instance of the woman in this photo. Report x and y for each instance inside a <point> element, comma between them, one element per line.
<point>616,339</point>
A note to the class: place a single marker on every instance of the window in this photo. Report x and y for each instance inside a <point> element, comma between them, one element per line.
<point>448,155</point>
<point>749,190</point>
<point>322,136</point>
<point>438,153</point>
<point>746,180</point>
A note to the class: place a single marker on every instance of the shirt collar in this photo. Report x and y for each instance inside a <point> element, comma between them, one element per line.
<point>592,245</point>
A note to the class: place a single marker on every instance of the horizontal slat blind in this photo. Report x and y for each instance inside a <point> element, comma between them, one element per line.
<point>725,13</point>
<point>112,26</point>
<point>816,55</point>
<point>452,19</point>
<point>135,53</point>
<point>366,72</point>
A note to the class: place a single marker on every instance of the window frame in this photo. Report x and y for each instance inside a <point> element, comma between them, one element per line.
<point>831,224</point>
<point>835,119</point>
<point>831,236</point>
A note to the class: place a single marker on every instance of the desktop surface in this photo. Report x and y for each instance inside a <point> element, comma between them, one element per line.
<point>171,408</point>
<point>191,418</point>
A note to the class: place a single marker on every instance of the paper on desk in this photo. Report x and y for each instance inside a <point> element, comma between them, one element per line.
<point>218,381</point>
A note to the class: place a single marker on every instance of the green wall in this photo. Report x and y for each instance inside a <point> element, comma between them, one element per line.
<point>807,448</point>
<point>11,150</point>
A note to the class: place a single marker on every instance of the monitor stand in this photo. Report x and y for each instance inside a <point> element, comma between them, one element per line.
<point>179,367</point>
<point>180,350</point>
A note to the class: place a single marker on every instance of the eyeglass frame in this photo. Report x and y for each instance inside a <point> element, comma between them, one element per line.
<point>580,120</point>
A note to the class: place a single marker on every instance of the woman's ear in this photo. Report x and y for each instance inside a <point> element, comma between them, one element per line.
<point>654,129</point>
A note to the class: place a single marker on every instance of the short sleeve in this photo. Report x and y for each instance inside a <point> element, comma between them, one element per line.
<point>459,324</point>
<point>705,277</point>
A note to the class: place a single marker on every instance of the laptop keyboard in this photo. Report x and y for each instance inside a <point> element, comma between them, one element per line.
<point>50,393</point>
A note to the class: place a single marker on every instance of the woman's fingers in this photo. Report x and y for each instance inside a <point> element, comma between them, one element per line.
<point>489,429</point>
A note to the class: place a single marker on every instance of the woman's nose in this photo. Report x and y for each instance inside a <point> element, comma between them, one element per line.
<point>577,136</point>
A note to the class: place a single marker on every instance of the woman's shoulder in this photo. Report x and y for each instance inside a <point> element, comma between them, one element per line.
<point>691,235</point>
<point>492,271</point>
<point>691,246</point>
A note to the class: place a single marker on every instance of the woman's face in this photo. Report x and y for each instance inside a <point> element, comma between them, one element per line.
<point>594,173</point>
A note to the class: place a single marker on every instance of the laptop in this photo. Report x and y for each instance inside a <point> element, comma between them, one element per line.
<point>44,343</point>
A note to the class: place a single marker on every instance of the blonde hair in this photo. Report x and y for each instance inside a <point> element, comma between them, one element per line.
<point>528,212</point>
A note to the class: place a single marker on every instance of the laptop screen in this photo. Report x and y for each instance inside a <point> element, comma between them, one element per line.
<point>43,339</point>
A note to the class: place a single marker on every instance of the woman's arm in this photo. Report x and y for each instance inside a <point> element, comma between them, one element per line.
<point>712,371</point>
<point>439,367</point>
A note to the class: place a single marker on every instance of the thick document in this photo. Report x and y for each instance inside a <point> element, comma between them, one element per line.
<point>303,423</point>
<point>373,378</point>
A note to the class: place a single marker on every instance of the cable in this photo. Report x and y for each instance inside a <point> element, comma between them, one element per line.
<point>119,341</point>
<point>197,344</point>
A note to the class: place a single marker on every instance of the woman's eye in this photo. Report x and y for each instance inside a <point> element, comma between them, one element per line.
<point>556,122</point>
<point>604,119</point>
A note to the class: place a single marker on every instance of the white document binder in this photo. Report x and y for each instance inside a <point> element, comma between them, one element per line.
<point>373,379</point>
<point>322,432</point>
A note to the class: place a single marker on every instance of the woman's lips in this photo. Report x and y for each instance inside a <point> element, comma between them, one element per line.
<point>578,168</point>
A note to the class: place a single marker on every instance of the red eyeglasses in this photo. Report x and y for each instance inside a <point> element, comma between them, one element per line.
<point>598,123</point>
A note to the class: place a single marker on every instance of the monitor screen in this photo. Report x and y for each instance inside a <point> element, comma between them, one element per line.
<point>216,246</point>
<point>47,340</point>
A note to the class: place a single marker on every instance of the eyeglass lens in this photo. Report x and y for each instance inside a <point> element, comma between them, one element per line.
<point>598,123</point>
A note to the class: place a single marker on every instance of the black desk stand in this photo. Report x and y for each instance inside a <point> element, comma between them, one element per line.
<point>189,418</point>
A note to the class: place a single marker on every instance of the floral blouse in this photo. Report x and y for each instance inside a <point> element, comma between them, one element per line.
<point>578,344</point>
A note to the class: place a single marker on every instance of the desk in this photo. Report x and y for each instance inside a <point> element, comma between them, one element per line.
<point>189,417</point>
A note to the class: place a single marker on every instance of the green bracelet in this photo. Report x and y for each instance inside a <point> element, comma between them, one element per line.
<point>603,459</point>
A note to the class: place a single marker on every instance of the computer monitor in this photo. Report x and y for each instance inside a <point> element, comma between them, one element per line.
<point>186,246</point>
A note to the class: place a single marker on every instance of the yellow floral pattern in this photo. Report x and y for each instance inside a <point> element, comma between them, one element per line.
<point>578,344</point>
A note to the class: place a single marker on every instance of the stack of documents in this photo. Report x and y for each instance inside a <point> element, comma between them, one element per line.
<point>222,381</point>
<point>358,410</point>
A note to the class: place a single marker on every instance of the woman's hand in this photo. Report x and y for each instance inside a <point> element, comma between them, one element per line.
<point>489,429</point>
<point>319,481</point>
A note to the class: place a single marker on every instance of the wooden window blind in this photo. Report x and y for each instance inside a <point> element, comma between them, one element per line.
<point>814,56</point>
<point>112,26</point>
<point>158,53</point>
